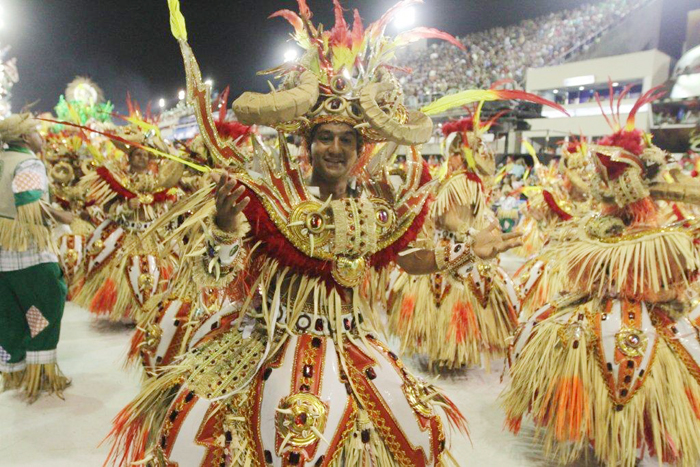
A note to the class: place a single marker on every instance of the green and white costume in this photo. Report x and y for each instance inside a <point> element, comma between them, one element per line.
<point>32,289</point>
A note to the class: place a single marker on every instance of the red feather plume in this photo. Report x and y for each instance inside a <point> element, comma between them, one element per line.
<point>632,141</point>
<point>428,33</point>
<point>233,130</point>
<point>290,16</point>
<point>552,203</point>
<point>304,10</point>
<point>650,96</point>
<point>223,103</point>
<point>462,125</point>
<point>358,29</point>
<point>507,94</point>
<point>340,34</point>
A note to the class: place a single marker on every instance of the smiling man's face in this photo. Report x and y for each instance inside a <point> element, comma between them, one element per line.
<point>138,160</point>
<point>334,151</point>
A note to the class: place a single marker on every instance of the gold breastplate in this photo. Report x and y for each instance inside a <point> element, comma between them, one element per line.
<point>343,231</point>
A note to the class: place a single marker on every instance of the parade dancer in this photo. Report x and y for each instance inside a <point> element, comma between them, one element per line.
<point>32,289</point>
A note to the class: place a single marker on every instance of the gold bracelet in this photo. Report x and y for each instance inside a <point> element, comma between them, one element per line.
<point>223,237</point>
<point>465,256</point>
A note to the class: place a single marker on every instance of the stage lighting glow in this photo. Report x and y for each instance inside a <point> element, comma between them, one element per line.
<point>581,88</point>
<point>161,103</point>
<point>405,18</point>
<point>181,95</point>
<point>616,84</point>
<point>556,91</point>
<point>290,55</point>
<point>209,82</point>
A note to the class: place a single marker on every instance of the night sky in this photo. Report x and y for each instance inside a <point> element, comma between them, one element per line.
<point>126,44</point>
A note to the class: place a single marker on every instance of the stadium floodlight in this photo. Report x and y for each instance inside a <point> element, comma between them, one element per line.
<point>181,95</point>
<point>161,103</point>
<point>405,18</point>
<point>209,82</point>
<point>616,84</point>
<point>556,91</point>
<point>581,88</point>
<point>290,55</point>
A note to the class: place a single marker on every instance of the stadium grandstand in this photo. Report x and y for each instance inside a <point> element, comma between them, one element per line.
<point>507,52</point>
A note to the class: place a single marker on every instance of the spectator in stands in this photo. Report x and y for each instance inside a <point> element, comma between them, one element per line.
<point>506,53</point>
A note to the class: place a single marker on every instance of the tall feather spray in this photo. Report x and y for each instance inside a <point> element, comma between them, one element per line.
<point>177,21</point>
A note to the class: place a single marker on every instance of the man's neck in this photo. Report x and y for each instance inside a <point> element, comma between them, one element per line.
<point>338,189</point>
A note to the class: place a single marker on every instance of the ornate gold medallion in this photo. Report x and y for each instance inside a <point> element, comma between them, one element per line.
<point>416,396</point>
<point>301,418</point>
<point>71,257</point>
<point>97,246</point>
<point>349,272</point>
<point>145,198</point>
<point>146,281</point>
<point>305,222</point>
<point>631,342</point>
<point>152,335</point>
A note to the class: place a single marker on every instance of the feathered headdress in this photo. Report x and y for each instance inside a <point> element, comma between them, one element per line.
<point>83,101</point>
<point>627,159</point>
<point>344,75</point>
<point>463,137</point>
<point>573,148</point>
<point>468,131</point>
<point>142,129</point>
<point>574,164</point>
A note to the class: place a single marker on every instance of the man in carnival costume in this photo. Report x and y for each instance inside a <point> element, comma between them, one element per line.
<point>458,321</point>
<point>121,270</point>
<point>550,217</point>
<point>301,378</point>
<point>613,364</point>
<point>32,289</point>
<point>179,318</point>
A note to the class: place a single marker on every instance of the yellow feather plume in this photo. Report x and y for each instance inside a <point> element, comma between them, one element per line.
<point>177,21</point>
<point>531,150</point>
<point>96,154</point>
<point>459,99</point>
<point>145,126</point>
<point>469,157</point>
<point>73,114</point>
<point>442,171</point>
<point>477,116</point>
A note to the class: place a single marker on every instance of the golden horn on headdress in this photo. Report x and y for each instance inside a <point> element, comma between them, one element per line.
<point>416,130</point>
<point>254,108</point>
<point>678,192</point>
